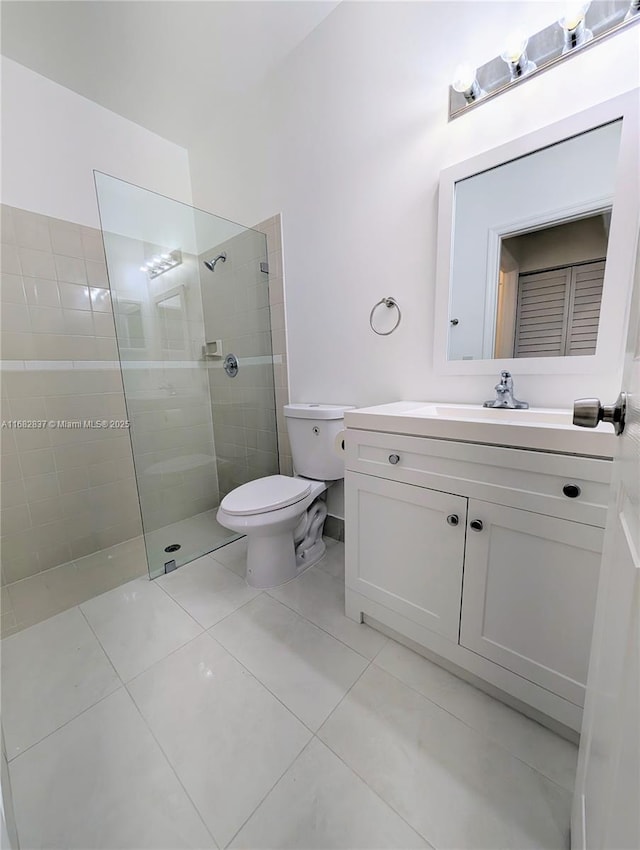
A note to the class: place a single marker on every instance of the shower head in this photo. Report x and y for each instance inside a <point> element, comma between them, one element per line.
<point>211,264</point>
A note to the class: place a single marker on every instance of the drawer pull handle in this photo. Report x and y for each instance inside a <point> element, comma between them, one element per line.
<point>394,459</point>
<point>453,519</point>
<point>476,524</point>
<point>571,491</point>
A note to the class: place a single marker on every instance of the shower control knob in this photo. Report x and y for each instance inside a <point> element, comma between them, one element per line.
<point>476,524</point>
<point>394,459</point>
<point>453,519</point>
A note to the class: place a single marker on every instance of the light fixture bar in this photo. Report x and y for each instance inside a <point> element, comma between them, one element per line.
<point>162,263</point>
<point>599,20</point>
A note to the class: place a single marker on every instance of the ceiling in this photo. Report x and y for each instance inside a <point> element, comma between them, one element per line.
<point>165,64</point>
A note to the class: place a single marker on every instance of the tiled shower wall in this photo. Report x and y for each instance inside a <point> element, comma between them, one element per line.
<point>238,308</point>
<point>66,492</point>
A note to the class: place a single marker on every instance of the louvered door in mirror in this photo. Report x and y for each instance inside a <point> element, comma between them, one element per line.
<point>558,311</point>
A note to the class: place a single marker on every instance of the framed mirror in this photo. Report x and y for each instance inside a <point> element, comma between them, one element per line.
<point>531,236</point>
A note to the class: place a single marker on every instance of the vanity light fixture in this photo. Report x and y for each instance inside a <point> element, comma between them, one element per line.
<point>515,55</point>
<point>465,82</point>
<point>572,22</point>
<point>162,263</point>
<point>577,26</point>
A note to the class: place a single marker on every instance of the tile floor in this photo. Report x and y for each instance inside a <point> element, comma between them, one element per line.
<point>34,599</point>
<point>197,712</point>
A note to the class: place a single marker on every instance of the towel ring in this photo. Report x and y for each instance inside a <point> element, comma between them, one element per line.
<point>388,302</point>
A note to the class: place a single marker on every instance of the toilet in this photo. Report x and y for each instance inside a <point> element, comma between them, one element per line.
<point>282,515</point>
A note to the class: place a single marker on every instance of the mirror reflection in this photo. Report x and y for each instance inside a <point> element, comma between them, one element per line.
<point>529,251</point>
<point>550,289</point>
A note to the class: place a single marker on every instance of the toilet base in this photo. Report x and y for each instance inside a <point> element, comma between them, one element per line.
<point>271,560</point>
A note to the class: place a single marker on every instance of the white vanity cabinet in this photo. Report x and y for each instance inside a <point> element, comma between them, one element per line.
<point>486,556</point>
<point>409,545</point>
<point>530,584</point>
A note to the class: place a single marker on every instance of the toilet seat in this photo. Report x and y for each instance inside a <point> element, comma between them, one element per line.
<point>265,494</point>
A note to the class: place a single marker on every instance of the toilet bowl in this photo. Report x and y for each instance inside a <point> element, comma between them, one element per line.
<point>283,515</point>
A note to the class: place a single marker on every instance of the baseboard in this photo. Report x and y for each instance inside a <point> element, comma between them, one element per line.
<point>334,528</point>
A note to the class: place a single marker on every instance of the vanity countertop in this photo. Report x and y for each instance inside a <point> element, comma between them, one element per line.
<point>540,429</point>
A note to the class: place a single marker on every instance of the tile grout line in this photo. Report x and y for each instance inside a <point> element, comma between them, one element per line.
<point>354,771</point>
<point>262,684</point>
<point>478,732</point>
<point>262,799</point>
<point>317,626</point>
<point>169,763</point>
<point>84,710</point>
<point>376,793</point>
<point>314,736</point>
<point>105,653</point>
<point>66,723</point>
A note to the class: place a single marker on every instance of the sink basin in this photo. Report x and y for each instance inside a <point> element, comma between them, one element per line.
<point>536,416</point>
<point>541,429</point>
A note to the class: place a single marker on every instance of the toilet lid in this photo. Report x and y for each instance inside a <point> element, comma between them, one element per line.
<point>265,494</point>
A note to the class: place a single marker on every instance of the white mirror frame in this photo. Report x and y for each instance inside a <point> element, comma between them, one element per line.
<point>614,313</point>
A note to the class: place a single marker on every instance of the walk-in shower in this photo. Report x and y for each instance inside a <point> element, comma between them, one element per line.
<point>196,430</point>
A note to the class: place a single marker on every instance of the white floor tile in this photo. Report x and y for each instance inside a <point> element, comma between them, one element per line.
<point>320,598</point>
<point>548,753</point>
<point>50,673</point>
<point>207,590</point>
<point>333,561</point>
<point>303,666</point>
<point>320,803</point>
<point>102,782</point>
<point>457,789</point>
<point>233,556</point>
<point>137,625</point>
<point>226,736</point>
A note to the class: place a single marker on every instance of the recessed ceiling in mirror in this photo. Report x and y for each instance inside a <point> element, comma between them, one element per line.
<point>529,249</point>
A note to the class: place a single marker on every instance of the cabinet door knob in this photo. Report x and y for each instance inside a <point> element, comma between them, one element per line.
<point>394,459</point>
<point>571,491</point>
<point>453,519</point>
<point>476,524</point>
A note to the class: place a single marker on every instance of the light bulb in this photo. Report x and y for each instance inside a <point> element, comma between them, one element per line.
<point>463,79</point>
<point>515,55</point>
<point>514,46</point>
<point>573,15</point>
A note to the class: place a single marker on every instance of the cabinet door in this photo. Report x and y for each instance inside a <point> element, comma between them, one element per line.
<point>530,584</point>
<point>403,552</point>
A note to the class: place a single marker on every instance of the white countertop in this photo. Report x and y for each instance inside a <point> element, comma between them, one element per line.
<point>541,429</point>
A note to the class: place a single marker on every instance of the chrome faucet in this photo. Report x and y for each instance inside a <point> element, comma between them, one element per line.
<point>504,395</point>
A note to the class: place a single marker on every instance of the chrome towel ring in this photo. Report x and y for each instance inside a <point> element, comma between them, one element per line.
<point>388,302</point>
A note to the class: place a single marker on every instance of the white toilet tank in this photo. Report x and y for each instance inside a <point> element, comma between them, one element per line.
<point>313,429</point>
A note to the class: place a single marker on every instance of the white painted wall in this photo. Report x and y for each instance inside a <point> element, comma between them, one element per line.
<point>52,139</point>
<point>347,139</point>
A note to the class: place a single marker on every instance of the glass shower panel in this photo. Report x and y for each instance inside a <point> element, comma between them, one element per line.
<point>189,289</point>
